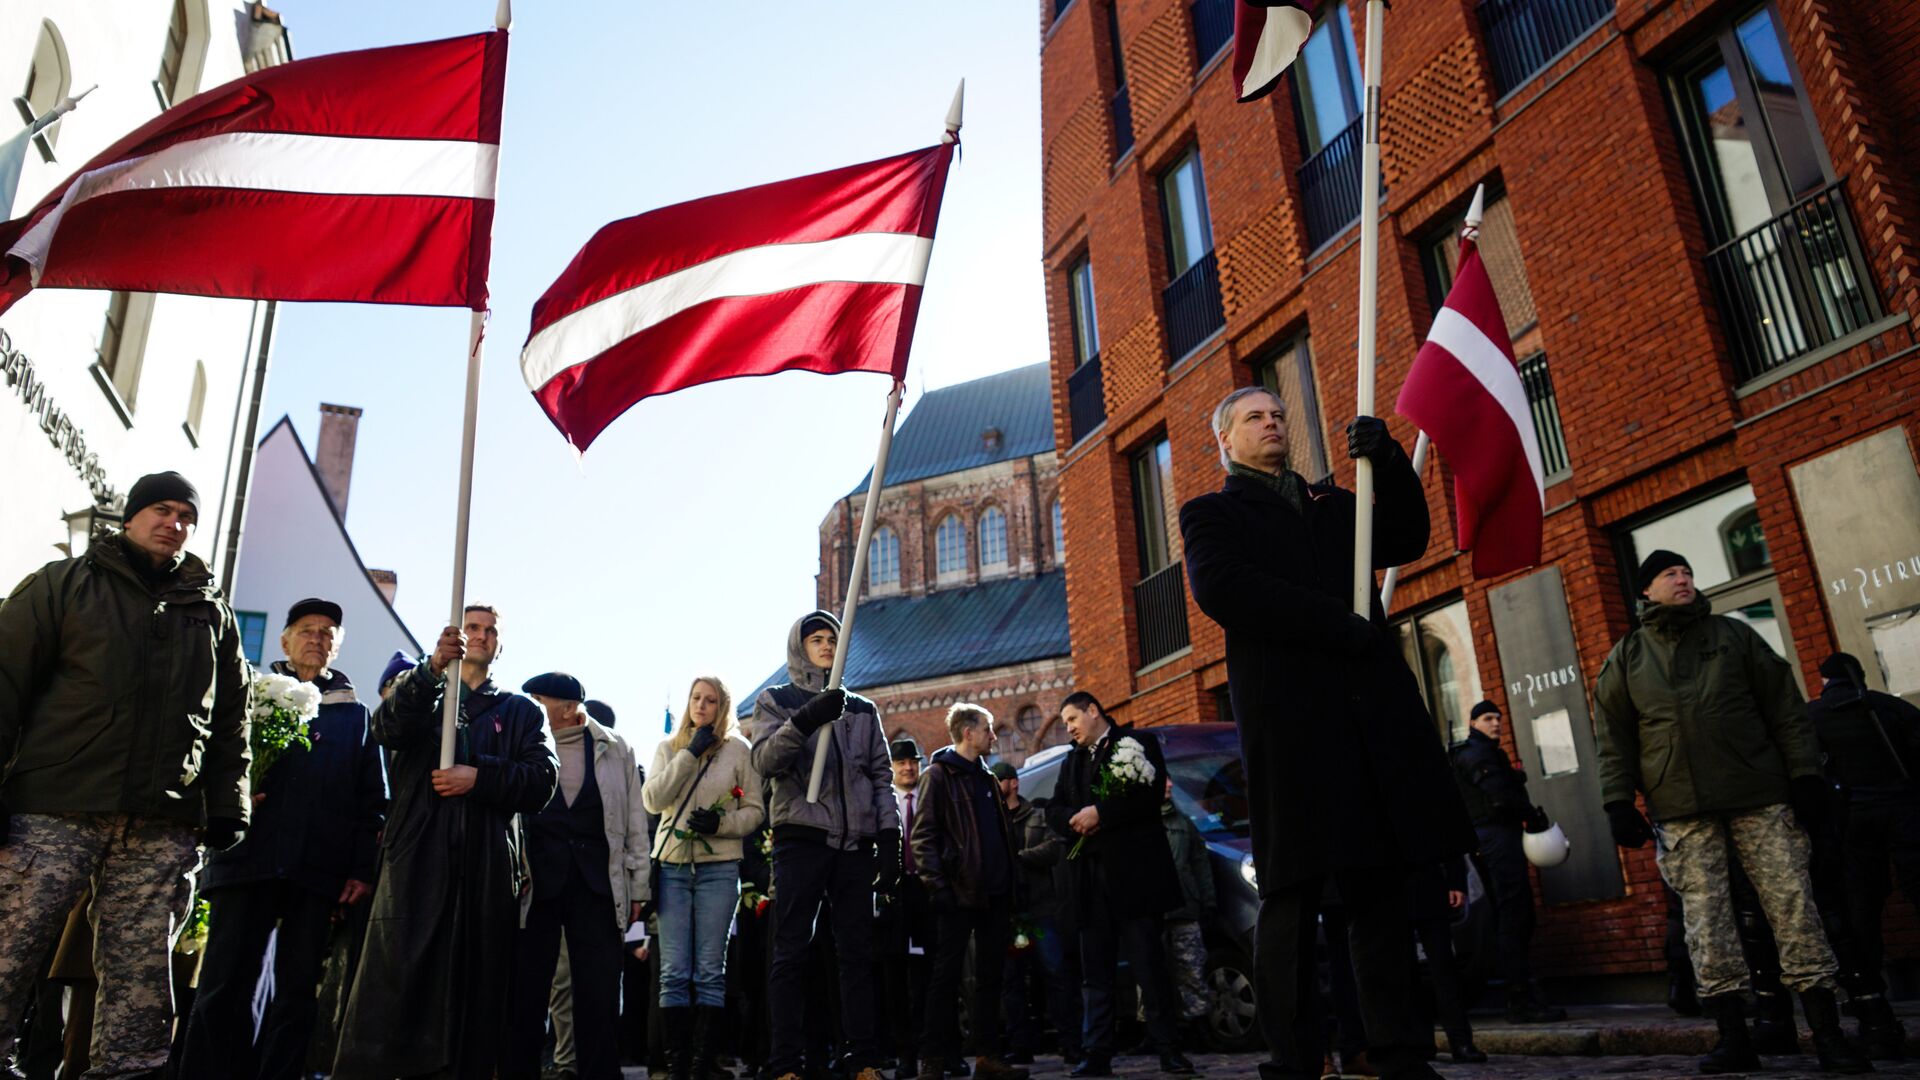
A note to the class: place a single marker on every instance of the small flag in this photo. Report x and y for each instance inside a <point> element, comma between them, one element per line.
<point>13,152</point>
<point>1267,36</point>
<point>1465,392</point>
<point>820,273</point>
<point>666,726</point>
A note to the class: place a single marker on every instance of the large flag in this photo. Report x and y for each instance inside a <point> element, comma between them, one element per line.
<point>820,273</point>
<point>1267,35</point>
<point>358,176</point>
<point>1465,392</point>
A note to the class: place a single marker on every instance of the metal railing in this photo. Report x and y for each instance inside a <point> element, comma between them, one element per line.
<point>1160,609</point>
<point>1546,414</point>
<point>1524,36</point>
<point>1060,7</point>
<point>1212,28</point>
<point>1793,285</point>
<point>1122,108</point>
<point>1086,400</point>
<point>1193,306</point>
<point>1330,185</point>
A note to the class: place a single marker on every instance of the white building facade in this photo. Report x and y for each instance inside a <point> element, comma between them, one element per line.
<point>96,388</point>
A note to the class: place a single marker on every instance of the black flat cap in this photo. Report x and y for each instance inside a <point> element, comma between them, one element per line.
<point>555,684</point>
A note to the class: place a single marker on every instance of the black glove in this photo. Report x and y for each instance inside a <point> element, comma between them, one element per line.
<point>1367,438</point>
<point>705,821</point>
<point>1535,820</point>
<point>703,740</point>
<point>1811,796</point>
<point>224,832</point>
<point>886,858</point>
<point>824,709</point>
<point>1630,829</point>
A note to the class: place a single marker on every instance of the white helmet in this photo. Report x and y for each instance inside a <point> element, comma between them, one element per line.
<point>1548,847</point>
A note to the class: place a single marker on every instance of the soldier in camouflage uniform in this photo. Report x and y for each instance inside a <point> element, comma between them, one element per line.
<point>1696,711</point>
<point>123,729</point>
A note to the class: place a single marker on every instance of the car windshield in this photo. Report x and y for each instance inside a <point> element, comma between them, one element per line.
<point>1209,782</point>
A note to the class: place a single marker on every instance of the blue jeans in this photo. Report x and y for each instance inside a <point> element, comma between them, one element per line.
<point>696,905</point>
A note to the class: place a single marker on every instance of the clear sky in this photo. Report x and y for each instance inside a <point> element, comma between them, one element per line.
<point>687,540</point>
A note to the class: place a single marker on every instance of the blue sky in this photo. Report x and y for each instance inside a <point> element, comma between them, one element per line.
<point>686,542</point>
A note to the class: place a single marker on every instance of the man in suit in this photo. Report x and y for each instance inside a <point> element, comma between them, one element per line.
<point>1122,879</point>
<point>1345,770</point>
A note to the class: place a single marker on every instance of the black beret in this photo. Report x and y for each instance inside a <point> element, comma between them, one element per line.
<point>313,605</point>
<point>601,712</point>
<point>1483,709</point>
<point>555,684</point>
<point>1656,564</point>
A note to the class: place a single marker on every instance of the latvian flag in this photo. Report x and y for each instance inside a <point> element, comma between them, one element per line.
<point>1267,35</point>
<point>1465,392</point>
<point>356,176</point>
<point>821,273</point>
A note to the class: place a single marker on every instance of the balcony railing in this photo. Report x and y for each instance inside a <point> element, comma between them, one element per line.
<point>1330,185</point>
<point>1086,400</point>
<point>1793,285</point>
<point>1523,36</point>
<point>1160,608</point>
<point>1060,7</point>
<point>1546,414</point>
<point>1122,123</point>
<point>1193,306</point>
<point>1212,28</point>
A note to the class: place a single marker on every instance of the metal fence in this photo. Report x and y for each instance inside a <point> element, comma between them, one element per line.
<point>1086,399</point>
<point>1193,306</point>
<point>1523,36</point>
<point>1546,414</point>
<point>1160,609</point>
<point>1212,28</point>
<point>1330,185</point>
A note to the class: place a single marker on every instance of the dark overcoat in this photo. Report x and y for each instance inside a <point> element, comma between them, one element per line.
<point>1345,767</point>
<point>1128,856</point>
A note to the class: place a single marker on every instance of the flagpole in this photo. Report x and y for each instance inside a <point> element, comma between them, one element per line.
<point>1369,310</point>
<point>1476,213</point>
<point>858,578</point>
<point>463,514</point>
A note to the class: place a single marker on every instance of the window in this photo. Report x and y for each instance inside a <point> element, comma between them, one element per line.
<point>48,79</point>
<point>253,634</point>
<point>1086,391</point>
<point>1160,597</point>
<point>1327,81</point>
<point>196,402</point>
<point>1438,645</point>
<point>1212,28</point>
<point>1183,201</point>
<point>1721,538</point>
<point>1059,533</point>
<point>950,548</point>
<point>1153,506</point>
<point>1289,374</point>
<point>123,343</point>
<point>993,538</point>
<point>883,557</point>
<point>1524,36</point>
<point>1121,107</point>
<point>1086,331</point>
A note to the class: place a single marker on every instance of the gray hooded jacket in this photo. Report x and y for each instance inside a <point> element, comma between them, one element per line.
<point>856,793</point>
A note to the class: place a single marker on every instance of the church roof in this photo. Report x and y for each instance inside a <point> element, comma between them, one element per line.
<point>947,429</point>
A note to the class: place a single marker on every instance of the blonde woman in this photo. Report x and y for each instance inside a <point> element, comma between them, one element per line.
<point>703,786</point>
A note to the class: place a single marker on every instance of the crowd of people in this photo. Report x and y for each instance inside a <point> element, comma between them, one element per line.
<point>798,896</point>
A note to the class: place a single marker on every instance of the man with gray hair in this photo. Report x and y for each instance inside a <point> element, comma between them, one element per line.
<point>1345,771</point>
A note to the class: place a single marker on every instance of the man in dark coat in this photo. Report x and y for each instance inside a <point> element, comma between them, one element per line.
<point>430,998</point>
<point>1496,798</point>
<point>308,855</point>
<point>1345,773</point>
<point>1123,879</point>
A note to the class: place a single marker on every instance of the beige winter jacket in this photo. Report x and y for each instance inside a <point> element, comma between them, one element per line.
<point>665,794</point>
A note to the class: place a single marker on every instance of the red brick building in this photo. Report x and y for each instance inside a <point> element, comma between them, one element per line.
<point>1702,227</point>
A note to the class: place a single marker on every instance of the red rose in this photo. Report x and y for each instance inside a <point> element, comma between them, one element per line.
<point>761,907</point>
<point>738,793</point>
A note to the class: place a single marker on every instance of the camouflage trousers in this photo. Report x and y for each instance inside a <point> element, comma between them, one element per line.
<point>1692,854</point>
<point>136,865</point>
<point>1187,960</point>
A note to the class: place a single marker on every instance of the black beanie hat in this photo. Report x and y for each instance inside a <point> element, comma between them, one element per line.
<point>1843,667</point>
<point>1655,565</point>
<point>158,487</point>
<point>1483,709</point>
<point>555,684</point>
<point>817,622</point>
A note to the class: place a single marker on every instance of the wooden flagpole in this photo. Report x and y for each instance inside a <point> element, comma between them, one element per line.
<point>1369,310</point>
<point>463,515</point>
<point>858,578</point>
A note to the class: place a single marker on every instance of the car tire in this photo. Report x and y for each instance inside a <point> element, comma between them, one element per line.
<point>1230,1021</point>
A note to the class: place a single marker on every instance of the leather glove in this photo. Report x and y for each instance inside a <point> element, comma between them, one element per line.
<point>1811,797</point>
<point>1630,828</point>
<point>703,740</point>
<point>1367,438</point>
<point>222,833</point>
<point>705,821</point>
<point>824,709</point>
<point>1535,820</point>
<point>886,856</point>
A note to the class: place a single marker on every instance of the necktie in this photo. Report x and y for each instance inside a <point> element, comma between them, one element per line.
<point>906,838</point>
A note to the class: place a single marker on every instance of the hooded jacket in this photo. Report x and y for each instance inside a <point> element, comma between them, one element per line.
<point>949,847</point>
<point>121,693</point>
<point>856,793</point>
<point>1696,710</point>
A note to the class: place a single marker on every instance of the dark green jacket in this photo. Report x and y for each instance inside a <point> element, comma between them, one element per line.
<point>1191,860</point>
<point>1696,710</point>
<point>122,696</point>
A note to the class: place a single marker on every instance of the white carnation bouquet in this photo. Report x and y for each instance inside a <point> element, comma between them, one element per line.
<point>1127,768</point>
<point>280,707</point>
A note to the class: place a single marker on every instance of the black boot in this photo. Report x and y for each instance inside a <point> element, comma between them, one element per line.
<point>1733,1052</point>
<point>1773,1029</point>
<point>707,1022</point>
<point>677,1023</point>
<point>1880,1030</point>
<point>1837,1052</point>
<point>1681,997</point>
<point>1463,1050</point>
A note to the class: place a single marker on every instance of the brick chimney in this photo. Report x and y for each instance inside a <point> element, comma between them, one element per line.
<point>386,581</point>
<point>339,427</point>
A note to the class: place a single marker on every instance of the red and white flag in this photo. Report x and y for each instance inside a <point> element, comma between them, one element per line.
<point>1465,392</point>
<point>358,176</point>
<point>820,273</point>
<point>1267,36</point>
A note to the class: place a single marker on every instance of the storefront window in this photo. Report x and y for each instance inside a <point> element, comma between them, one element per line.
<point>1719,536</point>
<point>1438,645</point>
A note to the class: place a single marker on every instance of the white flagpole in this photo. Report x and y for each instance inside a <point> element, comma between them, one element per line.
<point>463,515</point>
<point>858,578</point>
<point>1369,310</point>
<point>1471,228</point>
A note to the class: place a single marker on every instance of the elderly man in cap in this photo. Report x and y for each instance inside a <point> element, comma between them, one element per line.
<point>587,850</point>
<point>1695,711</point>
<point>123,746</point>
<point>309,855</point>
